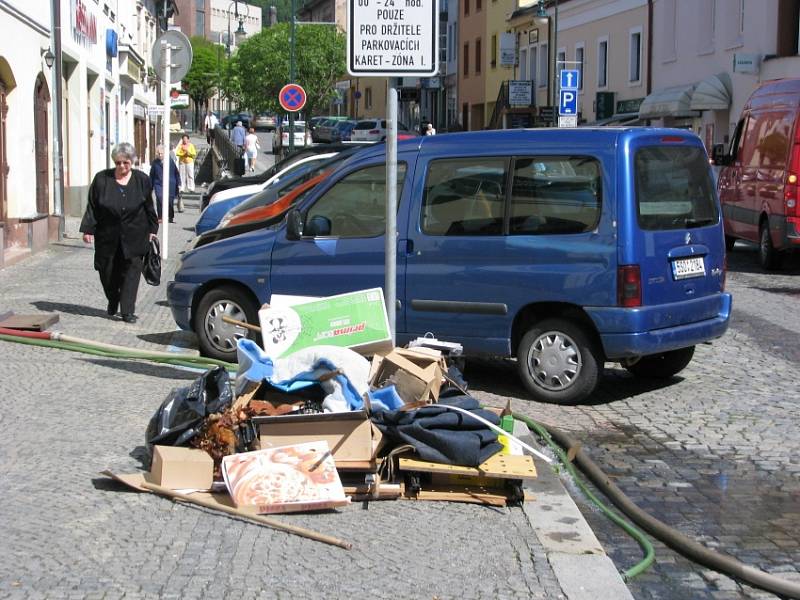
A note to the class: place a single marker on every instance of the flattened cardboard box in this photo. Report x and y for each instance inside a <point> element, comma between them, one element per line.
<point>179,468</point>
<point>417,374</point>
<point>352,438</point>
<point>355,320</point>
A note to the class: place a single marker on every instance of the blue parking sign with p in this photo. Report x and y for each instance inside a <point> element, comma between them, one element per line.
<point>568,102</point>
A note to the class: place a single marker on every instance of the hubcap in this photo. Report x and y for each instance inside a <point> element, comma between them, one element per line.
<point>554,361</point>
<point>223,336</point>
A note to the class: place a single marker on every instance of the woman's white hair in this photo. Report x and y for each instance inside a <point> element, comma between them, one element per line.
<point>125,150</point>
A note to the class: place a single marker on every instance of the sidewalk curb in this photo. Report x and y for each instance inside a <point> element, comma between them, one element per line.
<point>580,564</point>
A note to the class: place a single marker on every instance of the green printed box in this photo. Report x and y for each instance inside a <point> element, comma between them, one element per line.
<point>355,320</point>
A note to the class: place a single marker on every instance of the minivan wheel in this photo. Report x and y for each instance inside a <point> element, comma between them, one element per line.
<point>217,338</point>
<point>557,362</point>
<point>661,366</point>
<point>768,256</point>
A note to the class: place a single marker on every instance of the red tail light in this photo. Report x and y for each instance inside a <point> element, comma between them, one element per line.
<point>629,286</point>
<point>791,193</point>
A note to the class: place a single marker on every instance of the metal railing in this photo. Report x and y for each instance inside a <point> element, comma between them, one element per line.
<point>225,150</point>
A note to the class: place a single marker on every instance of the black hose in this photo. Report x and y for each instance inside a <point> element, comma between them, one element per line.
<point>671,537</point>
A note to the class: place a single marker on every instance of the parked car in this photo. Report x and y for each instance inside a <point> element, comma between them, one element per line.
<point>264,122</point>
<point>759,183</point>
<point>562,248</point>
<point>342,131</point>
<point>321,127</point>
<point>374,130</point>
<point>220,185</point>
<point>280,139</point>
<point>327,131</point>
<point>222,202</point>
<point>229,121</point>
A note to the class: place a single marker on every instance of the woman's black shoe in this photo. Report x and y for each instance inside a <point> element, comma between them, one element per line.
<point>112,308</point>
<point>129,318</point>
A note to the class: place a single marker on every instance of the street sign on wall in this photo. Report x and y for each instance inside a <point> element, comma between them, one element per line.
<point>392,38</point>
<point>519,93</point>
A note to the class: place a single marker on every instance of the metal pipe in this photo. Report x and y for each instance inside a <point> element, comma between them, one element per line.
<point>292,31</point>
<point>390,284</point>
<point>58,141</point>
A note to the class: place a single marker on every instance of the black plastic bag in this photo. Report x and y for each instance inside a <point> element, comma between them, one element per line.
<point>151,268</point>
<point>179,417</point>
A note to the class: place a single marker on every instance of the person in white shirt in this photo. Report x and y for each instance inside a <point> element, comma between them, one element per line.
<point>429,130</point>
<point>251,147</point>
<point>208,125</point>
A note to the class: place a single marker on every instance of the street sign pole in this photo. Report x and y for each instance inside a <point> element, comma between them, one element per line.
<point>390,285</point>
<point>292,31</point>
<point>165,161</point>
<point>384,40</point>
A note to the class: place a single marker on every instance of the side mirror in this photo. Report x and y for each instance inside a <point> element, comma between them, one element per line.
<point>294,225</point>
<point>718,155</point>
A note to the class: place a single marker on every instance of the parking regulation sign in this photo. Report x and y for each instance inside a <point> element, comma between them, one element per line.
<point>292,97</point>
<point>392,38</point>
<point>568,102</point>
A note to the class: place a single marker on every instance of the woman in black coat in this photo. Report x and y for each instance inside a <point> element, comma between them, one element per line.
<point>120,220</point>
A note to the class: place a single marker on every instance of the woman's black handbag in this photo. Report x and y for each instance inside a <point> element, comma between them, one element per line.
<point>152,263</point>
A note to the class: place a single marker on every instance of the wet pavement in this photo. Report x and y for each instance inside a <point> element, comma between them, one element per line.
<point>713,452</point>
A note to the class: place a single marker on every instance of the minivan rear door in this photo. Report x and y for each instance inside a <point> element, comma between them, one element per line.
<point>670,223</point>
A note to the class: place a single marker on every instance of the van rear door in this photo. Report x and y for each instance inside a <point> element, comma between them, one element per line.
<point>671,227</point>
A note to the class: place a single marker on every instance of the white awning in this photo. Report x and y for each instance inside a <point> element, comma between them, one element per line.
<point>668,102</point>
<point>713,93</point>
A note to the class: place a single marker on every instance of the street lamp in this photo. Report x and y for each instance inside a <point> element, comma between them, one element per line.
<point>49,57</point>
<point>541,13</point>
<point>239,32</point>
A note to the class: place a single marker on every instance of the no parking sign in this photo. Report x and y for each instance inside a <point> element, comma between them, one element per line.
<point>292,97</point>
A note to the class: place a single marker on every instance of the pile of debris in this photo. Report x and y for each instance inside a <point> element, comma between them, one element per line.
<point>310,427</point>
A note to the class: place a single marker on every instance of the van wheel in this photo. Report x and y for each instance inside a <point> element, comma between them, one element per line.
<point>730,242</point>
<point>558,363</point>
<point>216,337</point>
<point>661,366</point>
<point>768,256</point>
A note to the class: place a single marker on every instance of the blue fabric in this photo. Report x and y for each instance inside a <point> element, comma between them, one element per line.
<point>290,374</point>
<point>441,435</point>
<point>157,177</point>
<point>385,398</point>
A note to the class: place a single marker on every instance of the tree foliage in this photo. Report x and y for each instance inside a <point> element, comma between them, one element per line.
<point>204,76</point>
<point>262,66</point>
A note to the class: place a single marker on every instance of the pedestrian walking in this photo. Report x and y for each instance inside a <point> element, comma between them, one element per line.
<point>157,178</point>
<point>238,137</point>
<point>120,220</point>
<point>186,153</point>
<point>251,148</point>
<point>209,123</point>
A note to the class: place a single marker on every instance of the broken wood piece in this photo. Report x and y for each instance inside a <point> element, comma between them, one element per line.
<point>503,466</point>
<point>228,319</point>
<point>28,322</point>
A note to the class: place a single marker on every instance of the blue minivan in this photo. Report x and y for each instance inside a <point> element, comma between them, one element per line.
<point>562,248</point>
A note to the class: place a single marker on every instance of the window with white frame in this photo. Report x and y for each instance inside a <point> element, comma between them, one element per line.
<point>635,55</point>
<point>706,17</point>
<point>561,60</point>
<point>602,62</point>
<point>579,64</point>
<point>667,30</point>
<point>523,63</point>
<point>532,64</point>
<point>543,71</point>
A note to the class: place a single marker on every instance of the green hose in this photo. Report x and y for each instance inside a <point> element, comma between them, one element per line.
<point>640,537</point>
<point>197,362</point>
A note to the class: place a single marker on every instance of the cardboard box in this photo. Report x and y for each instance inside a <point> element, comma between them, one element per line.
<point>352,438</point>
<point>182,468</point>
<point>416,373</point>
<point>356,320</point>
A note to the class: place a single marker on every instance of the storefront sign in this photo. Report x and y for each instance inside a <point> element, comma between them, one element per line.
<point>746,63</point>
<point>138,111</point>
<point>84,23</point>
<point>629,106</point>
<point>508,49</point>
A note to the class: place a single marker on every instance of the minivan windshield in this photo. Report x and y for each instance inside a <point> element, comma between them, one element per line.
<point>674,188</point>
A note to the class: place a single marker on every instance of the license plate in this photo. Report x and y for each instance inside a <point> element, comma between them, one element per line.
<point>688,267</point>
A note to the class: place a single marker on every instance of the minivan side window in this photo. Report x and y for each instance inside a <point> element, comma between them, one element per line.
<point>355,206</point>
<point>674,188</point>
<point>465,196</point>
<point>555,195</point>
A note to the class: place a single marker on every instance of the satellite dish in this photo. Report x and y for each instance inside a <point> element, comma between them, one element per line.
<point>181,56</point>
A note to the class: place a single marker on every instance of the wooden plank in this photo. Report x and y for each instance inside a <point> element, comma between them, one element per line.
<point>473,497</point>
<point>501,466</point>
<point>29,322</point>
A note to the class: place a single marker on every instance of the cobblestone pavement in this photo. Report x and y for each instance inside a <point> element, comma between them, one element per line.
<point>715,452</point>
<point>69,533</point>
